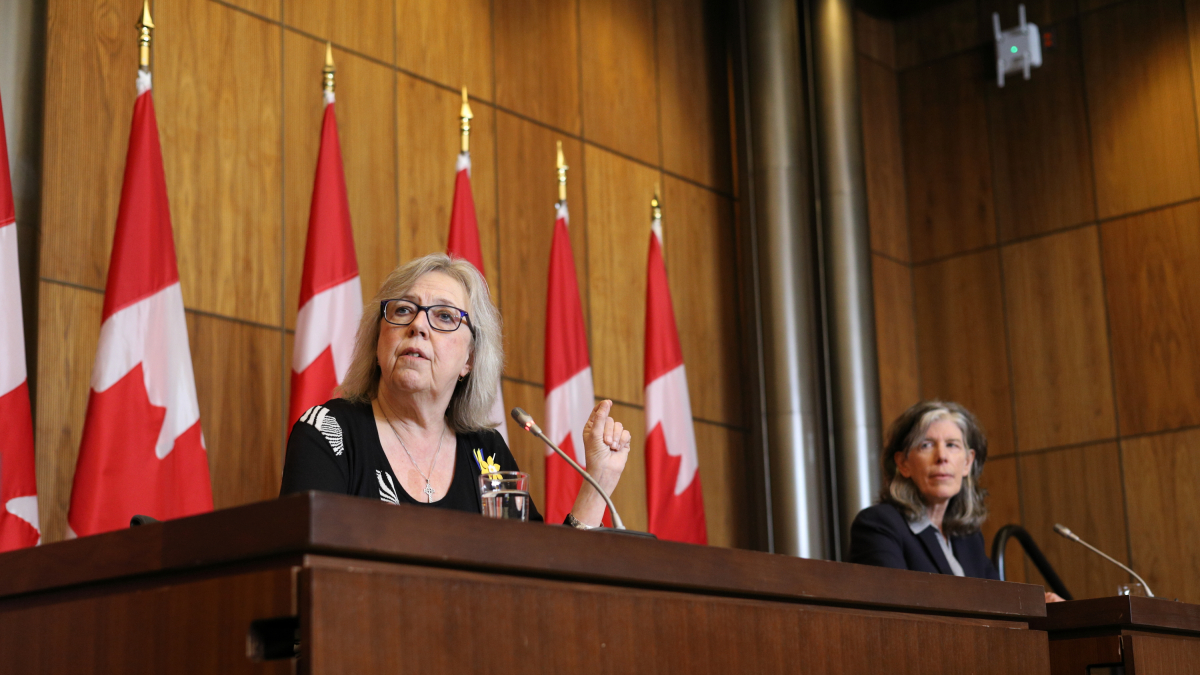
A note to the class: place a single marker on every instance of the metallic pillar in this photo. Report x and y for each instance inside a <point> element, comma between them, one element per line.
<point>854,372</point>
<point>785,264</point>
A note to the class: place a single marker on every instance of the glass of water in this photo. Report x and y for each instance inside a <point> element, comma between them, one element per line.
<point>505,494</point>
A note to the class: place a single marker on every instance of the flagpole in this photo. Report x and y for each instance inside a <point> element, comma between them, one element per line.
<point>145,34</point>
<point>562,175</point>
<point>465,117</point>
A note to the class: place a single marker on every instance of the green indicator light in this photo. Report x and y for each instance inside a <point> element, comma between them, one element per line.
<point>1013,49</point>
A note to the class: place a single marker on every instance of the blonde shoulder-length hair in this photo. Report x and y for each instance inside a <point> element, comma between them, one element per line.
<point>474,394</point>
<point>968,509</point>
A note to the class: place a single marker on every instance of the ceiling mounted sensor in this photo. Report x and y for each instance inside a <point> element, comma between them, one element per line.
<point>1018,49</point>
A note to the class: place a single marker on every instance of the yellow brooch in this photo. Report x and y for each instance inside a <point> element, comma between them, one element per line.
<point>487,466</point>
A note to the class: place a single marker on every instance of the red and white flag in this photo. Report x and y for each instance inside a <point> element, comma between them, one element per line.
<point>463,242</point>
<point>569,393</point>
<point>674,503</point>
<point>18,482</point>
<point>142,450</point>
<point>330,289</point>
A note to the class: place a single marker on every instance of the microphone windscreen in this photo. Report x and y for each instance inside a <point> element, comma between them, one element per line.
<point>523,418</point>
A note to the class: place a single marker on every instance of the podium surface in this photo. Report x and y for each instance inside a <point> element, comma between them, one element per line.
<point>1136,635</point>
<point>320,583</point>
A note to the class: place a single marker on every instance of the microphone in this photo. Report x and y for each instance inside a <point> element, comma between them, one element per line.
<point>526,421</point>
<point>1075,538</point>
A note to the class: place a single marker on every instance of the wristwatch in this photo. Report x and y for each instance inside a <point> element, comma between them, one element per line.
<point>574,522</point>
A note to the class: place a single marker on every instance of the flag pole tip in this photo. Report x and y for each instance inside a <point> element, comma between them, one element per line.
<point>329,71</point>
<point>146,22</point>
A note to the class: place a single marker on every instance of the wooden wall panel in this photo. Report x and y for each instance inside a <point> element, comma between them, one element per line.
<point>692,93</point>
<point>875,38</point>
<point>950,28</point>
<point>1080,488</point>
<point>429,141</point>
<point>529,452</point>
<point>1150,264</point>
<point>1062,379</point>
<point>618,198</point>
<point>618,70</point>
<point>699,250</point>
<point>1164,511</point>
<point>960,340</point>
<point>895,338</point>
<point>365,26</point>
<point>68,333</point>
<point>525,166</point>
<point>89,57</point>
<point>1142,110</point>
<point>722,453</point>
<point>630,494</point>
<point>448,41</point>
<point>535,36</point>
<point>887,205</point>
<point>1191,9</point>
<point>1042,158</point>
<point>946,156</point>
<point>268,9</point>
<point>1004,508</point>
<point>222,155</point>
<point>1042,12</point>
<point>365,112</point>
<point>241,433</point>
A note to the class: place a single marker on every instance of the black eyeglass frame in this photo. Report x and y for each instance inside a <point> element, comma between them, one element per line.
<point>464,316</point>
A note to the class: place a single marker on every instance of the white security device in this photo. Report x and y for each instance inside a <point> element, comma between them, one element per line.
<point>1018,49</point>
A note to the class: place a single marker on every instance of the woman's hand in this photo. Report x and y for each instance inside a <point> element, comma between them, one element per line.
<point>606,442</point>
<point>1053,597</point>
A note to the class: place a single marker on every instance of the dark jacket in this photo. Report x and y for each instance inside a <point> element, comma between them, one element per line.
<point>880,536</point>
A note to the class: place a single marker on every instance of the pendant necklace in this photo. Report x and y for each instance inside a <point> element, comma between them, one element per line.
<point>428,490</point>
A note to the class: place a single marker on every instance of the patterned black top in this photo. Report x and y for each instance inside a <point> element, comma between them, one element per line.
<point>335,448</point>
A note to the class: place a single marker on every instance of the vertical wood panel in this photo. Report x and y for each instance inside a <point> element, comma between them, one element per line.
<point>1152,268</point>
<point>265,8</point>
<point>68,333</point>
<point>1042,12</point>
<point>692,93</point>
<point>875,38</point>
<point>1164,511</point>
<point>1062,379</point>
<point>365,112</point>
<point>90,57</point>
<point>1004,508</point>
<point>895,338</point>
<point>534,36</point>
<point>527,194</point>
<point>1143,118</point>
<point>241,433</point>
<point>1042,156</point>
<point>887,204</point>
<point>620,108</point>
<point>960,341</point>
<point>448,41</point>
<point>618,198</point>
<point>699,250</point>
<point>1191,9</point>
<point>952,27</point>
<point>946,156</point>
<point>1080,488</point>
<point>219,115</point>
<point>366,26</point>
<point>429,144</point>
<point>722,453</point>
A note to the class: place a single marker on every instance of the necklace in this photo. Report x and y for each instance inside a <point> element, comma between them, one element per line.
<point>428,490</point>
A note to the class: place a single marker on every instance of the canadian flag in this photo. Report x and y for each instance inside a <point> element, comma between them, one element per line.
<point>330,288</point>
<point>18,482</point>
<point>674,503</point>
<point>463,242</point>
<point>569,393</point>
<point>142,450</point>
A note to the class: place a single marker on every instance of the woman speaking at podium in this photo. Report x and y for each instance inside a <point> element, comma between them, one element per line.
<point>412,426</point>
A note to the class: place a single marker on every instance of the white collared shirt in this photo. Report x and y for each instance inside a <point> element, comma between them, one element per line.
<point>918,526</point>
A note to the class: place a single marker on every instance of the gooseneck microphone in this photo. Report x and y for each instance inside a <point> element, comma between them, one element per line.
<point>1075,538</point>
<point>526,421</point>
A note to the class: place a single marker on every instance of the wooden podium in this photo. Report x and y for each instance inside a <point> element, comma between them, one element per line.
<point>319,583</point>
<point>1142,636</point>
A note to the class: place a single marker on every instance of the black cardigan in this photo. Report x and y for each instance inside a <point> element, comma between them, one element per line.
<point>880,536</point>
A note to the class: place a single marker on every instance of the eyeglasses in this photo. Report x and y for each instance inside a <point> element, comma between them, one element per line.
<point>442,318</point>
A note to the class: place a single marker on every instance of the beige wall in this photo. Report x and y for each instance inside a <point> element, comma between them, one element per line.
<point>1037,258</point>
<point>635,89</point>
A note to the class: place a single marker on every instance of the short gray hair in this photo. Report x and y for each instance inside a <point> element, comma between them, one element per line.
<point>968,509</point>
<point>474,395</point>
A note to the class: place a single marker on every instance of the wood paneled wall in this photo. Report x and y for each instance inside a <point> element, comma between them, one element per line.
<point>637,90</point>
<point>1051,280</point>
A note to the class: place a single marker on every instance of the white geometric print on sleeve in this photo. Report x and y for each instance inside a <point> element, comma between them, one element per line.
<point>319,417</point>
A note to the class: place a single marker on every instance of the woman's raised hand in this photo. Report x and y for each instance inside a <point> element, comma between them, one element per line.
<point>606,442</point>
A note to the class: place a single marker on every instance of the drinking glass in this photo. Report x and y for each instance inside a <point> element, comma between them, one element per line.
<point>505,494</point>
<point>1134,588</point>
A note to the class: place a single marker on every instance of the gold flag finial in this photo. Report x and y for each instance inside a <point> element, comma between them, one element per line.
<point>465,117</point>
<point>562,175</point>
<point>329,70</point>
<point>655,205</point>
<point>145,26</point>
